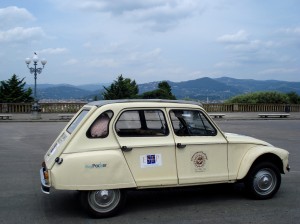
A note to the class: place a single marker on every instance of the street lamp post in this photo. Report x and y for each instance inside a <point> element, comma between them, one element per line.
<point>34,70</point>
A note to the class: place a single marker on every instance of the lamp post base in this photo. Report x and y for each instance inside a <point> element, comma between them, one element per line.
<point>35,115</point>
<point>35,112</point>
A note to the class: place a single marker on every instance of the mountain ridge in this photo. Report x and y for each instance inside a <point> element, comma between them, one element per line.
<point>205,88</point>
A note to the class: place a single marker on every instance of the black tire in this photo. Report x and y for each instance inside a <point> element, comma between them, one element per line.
<point>263,181</point>
<point>103,203</point>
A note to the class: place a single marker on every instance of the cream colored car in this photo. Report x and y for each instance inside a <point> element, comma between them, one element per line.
<point>112,146</point>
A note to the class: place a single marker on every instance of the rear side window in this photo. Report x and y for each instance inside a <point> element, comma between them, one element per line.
<point>77,120</point>
<point>191,123</point>
<point>141,123</point>
<point>100,127</point>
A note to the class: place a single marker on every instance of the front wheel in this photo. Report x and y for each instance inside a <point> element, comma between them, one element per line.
<point>103,203</point>
<point>263,181</point>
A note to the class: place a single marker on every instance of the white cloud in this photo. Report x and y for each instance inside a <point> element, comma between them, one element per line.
<point>110,48</point>
<point>12,15</point>
<point>108,62</point>
<point>158,73</point>
<point>165,15</point>
<point>71,61</point>
<point>127,6</point>
<point>158,15</point>
<point>87,45</point>
<point>252,45</point>
<point>145,56</point>
<point>107,37</point>
<point>227,64</point>
<point>21,34</point>
<point>240,37</point>
<point>244,51</point>
<point>279,71</point>
<point>290,31</point>
<point>117,54</point>
<point>53,51</point>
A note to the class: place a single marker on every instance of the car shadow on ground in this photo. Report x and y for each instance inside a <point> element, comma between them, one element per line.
<point>140,200</point>
<point>64,204</point>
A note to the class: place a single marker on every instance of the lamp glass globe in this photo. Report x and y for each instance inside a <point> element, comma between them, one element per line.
<point>35,58</point>
<point>44,61</point>
<point>27,61</point>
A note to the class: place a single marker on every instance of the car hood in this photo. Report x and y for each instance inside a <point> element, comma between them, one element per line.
<point>243,139</point>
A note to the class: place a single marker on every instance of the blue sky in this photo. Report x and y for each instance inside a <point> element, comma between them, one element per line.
<point>94,41</point>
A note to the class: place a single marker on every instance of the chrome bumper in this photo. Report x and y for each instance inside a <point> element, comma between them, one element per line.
<point>44,186</point>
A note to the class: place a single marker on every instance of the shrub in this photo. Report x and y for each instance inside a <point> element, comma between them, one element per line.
<point>261,97</point>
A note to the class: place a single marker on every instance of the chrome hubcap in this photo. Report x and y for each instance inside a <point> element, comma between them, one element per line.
<point>265,181</point>
<point>104,200</point>
<point>103,195</point>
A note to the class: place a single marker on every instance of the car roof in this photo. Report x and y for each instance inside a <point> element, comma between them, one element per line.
<point>105,102</point>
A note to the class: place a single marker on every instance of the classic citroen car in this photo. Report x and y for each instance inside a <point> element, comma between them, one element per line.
<point>112,146</point>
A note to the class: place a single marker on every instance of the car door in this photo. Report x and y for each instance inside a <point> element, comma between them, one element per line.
<point>148,146</point>
<point>201,150</point>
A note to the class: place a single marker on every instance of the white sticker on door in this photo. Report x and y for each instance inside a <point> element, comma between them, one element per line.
<point>152,160</point>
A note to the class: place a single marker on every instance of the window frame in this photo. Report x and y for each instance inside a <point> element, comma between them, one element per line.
<point>203,119</point>
<point>143,124</point>
<point>88,132</point>
<point>71,128</point>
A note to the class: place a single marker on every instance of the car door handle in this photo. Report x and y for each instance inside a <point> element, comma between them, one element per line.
<point>180,146</point>
<point>126,149</point>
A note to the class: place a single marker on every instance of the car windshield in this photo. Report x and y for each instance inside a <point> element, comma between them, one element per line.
<point>77,120</point>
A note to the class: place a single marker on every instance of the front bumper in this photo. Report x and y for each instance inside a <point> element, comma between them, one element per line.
<point>44,186</point>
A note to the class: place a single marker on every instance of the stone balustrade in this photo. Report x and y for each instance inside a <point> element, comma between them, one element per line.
<point>209,107</point>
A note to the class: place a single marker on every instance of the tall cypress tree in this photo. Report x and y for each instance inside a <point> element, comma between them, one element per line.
<point>122,88</point>
<point>13,91</point>
<point>164,91</point>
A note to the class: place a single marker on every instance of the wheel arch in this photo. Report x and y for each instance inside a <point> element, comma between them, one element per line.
<point>272,158</point>
<point>253,158</point>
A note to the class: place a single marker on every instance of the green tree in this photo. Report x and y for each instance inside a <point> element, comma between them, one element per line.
<point>121,88</point>
<point>13,91</point>
<point>164,91</point>
<point>260,97</point>
<point>165,86</point>
<point>294,98</point>
<point>95,98</point>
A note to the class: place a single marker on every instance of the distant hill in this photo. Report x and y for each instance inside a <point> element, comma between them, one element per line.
<point>203,89</point>
<point>251,85</point>
<point>200,89</point>
<point>62,92</point>
<point>93,87</point>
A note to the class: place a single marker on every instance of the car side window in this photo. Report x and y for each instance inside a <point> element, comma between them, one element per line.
<point>142,123</point>
<point>100,127</point>
<point>191,123</point>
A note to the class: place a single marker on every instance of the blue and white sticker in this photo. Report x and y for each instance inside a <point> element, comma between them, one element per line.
<point>151,160</point>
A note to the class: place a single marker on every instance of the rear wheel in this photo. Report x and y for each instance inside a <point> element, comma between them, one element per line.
<point>103,203</point>
<point>263,181</point>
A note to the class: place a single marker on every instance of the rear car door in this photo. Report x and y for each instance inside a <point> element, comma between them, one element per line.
<point>148,146</point>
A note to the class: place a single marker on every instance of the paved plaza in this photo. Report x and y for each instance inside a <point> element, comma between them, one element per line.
<point>23,144</point>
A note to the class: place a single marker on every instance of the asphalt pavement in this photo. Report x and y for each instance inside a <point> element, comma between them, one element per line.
<point>23,145</point>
